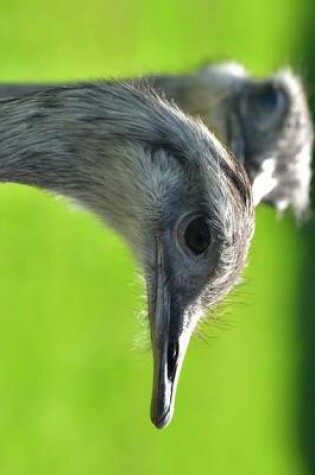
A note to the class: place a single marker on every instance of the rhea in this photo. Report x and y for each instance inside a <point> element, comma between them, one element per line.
<point>160,179</point>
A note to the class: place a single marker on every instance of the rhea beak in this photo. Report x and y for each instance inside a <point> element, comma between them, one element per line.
<point>169,345</point>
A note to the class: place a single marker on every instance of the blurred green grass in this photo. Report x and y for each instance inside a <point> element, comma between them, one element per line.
<point>74,394</point>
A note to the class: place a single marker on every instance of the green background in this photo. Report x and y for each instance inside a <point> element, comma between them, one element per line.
<point>74,389</point>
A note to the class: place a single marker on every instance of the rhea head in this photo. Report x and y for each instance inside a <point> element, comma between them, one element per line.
<point>193,225</point>
<point>265,122</point>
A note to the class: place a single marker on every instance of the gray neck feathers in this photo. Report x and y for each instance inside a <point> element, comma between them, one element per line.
<point>96,144</point>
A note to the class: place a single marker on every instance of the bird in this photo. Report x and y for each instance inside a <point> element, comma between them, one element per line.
<point>160,179</point>
<point>265,122</point>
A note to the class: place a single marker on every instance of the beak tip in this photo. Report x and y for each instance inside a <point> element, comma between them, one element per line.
<point>161,422</point>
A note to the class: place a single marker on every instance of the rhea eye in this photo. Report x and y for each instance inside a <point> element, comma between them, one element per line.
<point>266,104</point>
<point>197,235</point>
<point>267,99</point>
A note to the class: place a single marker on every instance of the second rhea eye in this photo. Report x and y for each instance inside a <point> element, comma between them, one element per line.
<point>197,235</point>
<point>267,98</point>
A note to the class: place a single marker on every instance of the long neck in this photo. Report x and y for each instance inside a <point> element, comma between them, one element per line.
<point>201,93</point>
<point>37,145</point>
<point>191,91</point>
<point>79,142</point>
<point>93,143</point>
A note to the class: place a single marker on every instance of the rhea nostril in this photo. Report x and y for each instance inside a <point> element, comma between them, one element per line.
<point>172,358</point>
